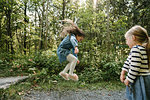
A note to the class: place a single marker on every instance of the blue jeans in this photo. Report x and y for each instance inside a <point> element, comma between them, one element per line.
<point>140,89</point>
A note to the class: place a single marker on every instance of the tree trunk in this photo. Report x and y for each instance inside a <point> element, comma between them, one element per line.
<point>46,25</point>
<point>108,31</point>
<point>35,43</point>
<point>29,44</point>
<point>42,27</point>
<point>63,10</point>
<point>0,28</point>
<point>40,31</point>
<point>135,13</point>
<point>94,4</point>
<point>9,32</point>
<point>25,31</point>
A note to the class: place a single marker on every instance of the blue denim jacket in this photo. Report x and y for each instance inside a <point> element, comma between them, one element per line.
<point>64,49</point>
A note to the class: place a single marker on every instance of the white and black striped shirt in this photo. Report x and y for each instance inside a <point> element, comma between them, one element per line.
<point>136,63</point>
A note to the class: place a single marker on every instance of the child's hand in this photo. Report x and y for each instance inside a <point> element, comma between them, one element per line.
<point>76,50</point>
<point>78,62</point>
<point>122,78</point>
<point>126,82</point>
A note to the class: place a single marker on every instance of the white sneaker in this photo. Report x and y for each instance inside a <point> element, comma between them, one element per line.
<point>64,75</point>
<point>74,77</point>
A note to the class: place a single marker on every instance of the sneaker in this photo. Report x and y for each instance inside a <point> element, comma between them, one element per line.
<point>64,75</point>
<point>73,77</point>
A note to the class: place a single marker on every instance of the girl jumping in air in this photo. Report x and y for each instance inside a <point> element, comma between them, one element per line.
<point>137,65</point>
<point>74,36</point>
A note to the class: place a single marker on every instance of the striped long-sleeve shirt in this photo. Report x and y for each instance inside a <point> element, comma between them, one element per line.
<point>136,63</point>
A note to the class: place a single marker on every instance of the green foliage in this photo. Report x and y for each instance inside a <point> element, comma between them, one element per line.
<point>47,60</point>
<point>91,75</point>
<point>5,64</point>
<point>38,61</point>
<point>105,71</point>
<point>93,67</point>
<point>15,92</point>
<point>111,71</point>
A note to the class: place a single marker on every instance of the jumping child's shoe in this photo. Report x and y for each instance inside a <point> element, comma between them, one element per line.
<point>73,77</point>
<point>64,75</point>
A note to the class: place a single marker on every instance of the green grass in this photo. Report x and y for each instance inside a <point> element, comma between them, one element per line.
<point>14,92</point>
<point>6,71</point>
<point>71,85</point>
<point>114,85</point>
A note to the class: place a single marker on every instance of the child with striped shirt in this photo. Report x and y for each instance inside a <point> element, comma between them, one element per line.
<point>137,65</point>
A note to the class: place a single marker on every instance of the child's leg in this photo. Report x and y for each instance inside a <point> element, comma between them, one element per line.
<point>72,62</point>
<point>71,65</point>
<point>67,68</point>
<point>64,72</point>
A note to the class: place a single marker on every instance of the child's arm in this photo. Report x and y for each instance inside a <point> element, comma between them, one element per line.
<point>126,82</point>
<point>122,76</point>
<point>76,50</point>
<point>78,62</point>
<point>123,79</point>
<point>135,64</point>
<point>124,70</point>
<point>73,51</point>
<point>74,41</point>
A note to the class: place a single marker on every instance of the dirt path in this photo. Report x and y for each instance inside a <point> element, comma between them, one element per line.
<point>75,95</point>
<point>6,82</point>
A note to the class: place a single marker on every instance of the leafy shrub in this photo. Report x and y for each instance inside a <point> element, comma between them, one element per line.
<point>46,60</point>
<point>46,65</point>
<point>111,71</point>
<point>91,75</point>
<point>5,59</point>
<point>38,61</point>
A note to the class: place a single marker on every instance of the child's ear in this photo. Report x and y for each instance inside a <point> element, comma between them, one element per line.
<point>134,37</point>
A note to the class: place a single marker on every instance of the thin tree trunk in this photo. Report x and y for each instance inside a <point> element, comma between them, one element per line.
<point>46,25</point>
<point>42,27</point>
<point>40,31</point>
<point>0,29</point>
<point>135,13</point>
<point>63,10</point>
<point>25,31</point>
<point>35,30</point>
<point>9,32</point>
<point>108,31</point>
<point>29,40</point>
<point>94,4</point>
<point>16,27</point>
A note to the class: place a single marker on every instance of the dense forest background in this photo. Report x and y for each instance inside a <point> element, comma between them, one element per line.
<point>30,34</point>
